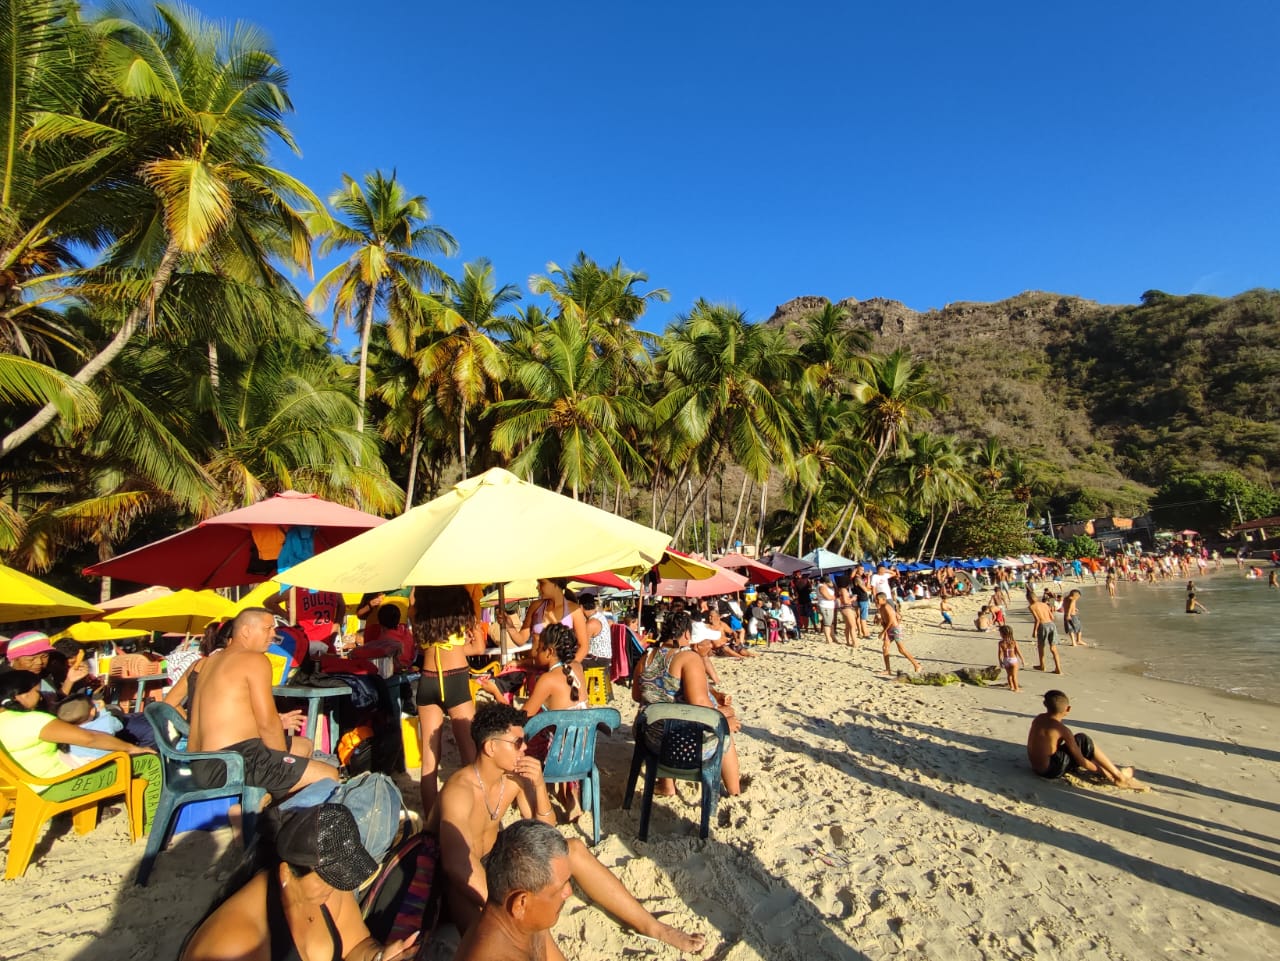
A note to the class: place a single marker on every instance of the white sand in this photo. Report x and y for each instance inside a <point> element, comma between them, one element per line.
<point>882,820</point>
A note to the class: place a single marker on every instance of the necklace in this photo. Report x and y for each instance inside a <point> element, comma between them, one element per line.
<point>484,794</point>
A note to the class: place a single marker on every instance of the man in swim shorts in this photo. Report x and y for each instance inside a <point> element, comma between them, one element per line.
<point>232,709</point>
<point>891,632</point>
<point>1053,750</point>
<point>1044,632</point>
<point>1071,618</point>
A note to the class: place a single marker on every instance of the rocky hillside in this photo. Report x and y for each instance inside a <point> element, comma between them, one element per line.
<point>1109,397</point>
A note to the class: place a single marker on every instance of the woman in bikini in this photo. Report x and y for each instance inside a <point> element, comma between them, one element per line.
<point>846,610</point>
<point>552,606</point>
<point>446,627</point>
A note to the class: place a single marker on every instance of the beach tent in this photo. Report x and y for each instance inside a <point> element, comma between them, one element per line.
<point>785,563</point>
<point>677,565</point>
<point>826,561</point>
<point>24,598</point>
<point>755,571</point>
<point>221,551</point>
<point>182,612</point>
<point>489,529</point>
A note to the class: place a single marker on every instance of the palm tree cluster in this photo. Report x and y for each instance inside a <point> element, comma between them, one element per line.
<point>156,358</point>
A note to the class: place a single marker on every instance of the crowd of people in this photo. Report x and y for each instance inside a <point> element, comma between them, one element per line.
<point>502,887</point>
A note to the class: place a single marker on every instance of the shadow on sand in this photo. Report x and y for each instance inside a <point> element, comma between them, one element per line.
<point>1000,768</point>
<point>693,873</point>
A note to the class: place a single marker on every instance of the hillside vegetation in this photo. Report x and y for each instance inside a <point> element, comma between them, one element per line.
<point>1110,399</point>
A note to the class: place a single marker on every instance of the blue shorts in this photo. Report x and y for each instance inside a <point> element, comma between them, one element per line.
<point>735,623</point>
<point>864,609</point>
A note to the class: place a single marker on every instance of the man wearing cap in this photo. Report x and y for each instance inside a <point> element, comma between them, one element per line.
<point>528,873</point>
<point>232,709</point>
<point>29,651</point>
<point>469,812</point>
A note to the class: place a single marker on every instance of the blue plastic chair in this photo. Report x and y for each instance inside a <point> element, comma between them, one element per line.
<point>180,787</point>
<point>679,756</point>
<point>572,755</point>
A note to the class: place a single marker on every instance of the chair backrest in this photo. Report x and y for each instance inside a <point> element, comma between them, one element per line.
<point>682,729</point>
<point>170,728</point>
<point>573,748</point>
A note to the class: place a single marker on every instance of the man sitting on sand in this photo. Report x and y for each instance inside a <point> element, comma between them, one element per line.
<point>1053,750</point>
<point>469,812</point>
<point>891,632</point>
<point>1044,631</point>
<point>232,710</point>
<point>528,875</point>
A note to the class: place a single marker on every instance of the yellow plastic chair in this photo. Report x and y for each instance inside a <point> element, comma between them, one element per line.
<point>77,791</point>
<point>599,686</point>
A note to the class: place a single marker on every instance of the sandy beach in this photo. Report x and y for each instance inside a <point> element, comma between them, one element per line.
<point>881,820</point>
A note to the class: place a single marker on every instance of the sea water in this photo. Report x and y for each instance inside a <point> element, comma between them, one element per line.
<point>1233,648</point>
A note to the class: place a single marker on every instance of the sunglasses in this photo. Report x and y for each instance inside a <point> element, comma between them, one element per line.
<point>517,743</point>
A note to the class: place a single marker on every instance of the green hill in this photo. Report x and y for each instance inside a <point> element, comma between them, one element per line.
<point>1109,398</point>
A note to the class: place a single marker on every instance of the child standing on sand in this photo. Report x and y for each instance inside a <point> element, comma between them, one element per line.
<point>944,606</point>
<point>1009,655</point>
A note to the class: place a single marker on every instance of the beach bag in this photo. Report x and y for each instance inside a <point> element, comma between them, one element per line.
<point>375,802</point>
<point>350,742</point>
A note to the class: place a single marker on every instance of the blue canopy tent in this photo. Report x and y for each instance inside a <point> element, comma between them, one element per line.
<point>825,561</point>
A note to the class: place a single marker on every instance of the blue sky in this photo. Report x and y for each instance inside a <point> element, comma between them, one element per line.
<point>926,152</point>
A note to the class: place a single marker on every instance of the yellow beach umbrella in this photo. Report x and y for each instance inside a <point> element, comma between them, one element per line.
<point>23,598</point>
<point>489,529</point>
<point>91,632</point>
<point>182,612</point>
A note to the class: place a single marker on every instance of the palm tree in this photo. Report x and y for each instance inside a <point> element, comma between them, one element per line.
<point>465,363</point>
<point>573,419</point>
<point>823,450</point>
<point>163,166</point>
<point>936,475</point>
<point>893,392</point>
<point>386,231</point>
<point>830,348</point>
<point>723,379</point>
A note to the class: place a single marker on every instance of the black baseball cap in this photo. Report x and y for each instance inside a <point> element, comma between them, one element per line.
<point>326,839</point>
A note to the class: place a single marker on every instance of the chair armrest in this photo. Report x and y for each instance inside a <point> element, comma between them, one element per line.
<point>115,757</point>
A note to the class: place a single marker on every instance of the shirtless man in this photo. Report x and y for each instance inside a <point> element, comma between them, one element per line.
<point>1043,632</point>
<point>232,710</point>
<point>1071,618</point>
<point>528,875</point>
<point>469,812</point>
<point>891,631</point>
<point>1053,750</point>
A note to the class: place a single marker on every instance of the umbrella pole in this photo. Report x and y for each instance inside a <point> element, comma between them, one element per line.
<point>502,623</point>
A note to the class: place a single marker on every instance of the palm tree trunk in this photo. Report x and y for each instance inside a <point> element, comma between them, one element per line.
<point>215,378</point>
<point>835,528</point>
<point>862,492</point>
<point>416,452</point>
<point>462,438</point>
<point>737,514</point>
<point>937,540</point>
<point>799,528</point>
<point>99,362</point>
<point>366,330</point>
<point>706,518</point>
<point>924,538</point>
<point>764,498</point>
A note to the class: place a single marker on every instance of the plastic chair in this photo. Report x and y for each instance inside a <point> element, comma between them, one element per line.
<point>678,757</point>
<point>77,791</point>
<point>599,687</point>
<point>180,785</point>
<point>572,754</point>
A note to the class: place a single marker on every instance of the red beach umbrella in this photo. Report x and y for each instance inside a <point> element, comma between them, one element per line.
<point>219,552</point>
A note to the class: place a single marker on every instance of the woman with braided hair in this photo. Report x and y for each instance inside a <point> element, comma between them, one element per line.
<point>560,687</point>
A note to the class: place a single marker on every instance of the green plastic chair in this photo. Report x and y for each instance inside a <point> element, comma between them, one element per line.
<point>572,754</point>
<point>180,785</point>
<point>679,756</point>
